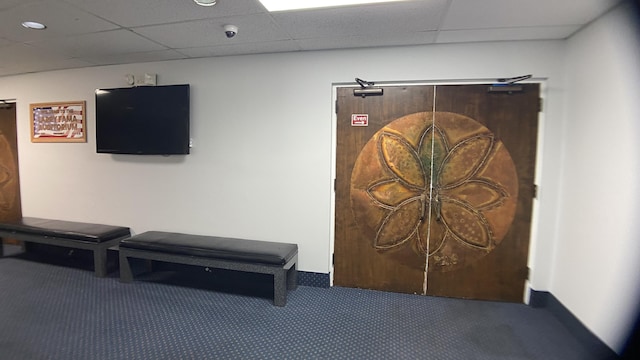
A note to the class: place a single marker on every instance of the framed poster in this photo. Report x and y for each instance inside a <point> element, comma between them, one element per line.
<point>58,122</point>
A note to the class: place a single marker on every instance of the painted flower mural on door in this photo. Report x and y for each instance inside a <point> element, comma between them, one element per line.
<point>438,183</point>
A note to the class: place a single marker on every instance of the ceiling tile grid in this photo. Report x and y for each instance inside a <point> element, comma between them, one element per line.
<point>84,33</point>
<point>131,13</point>
<point>252,28</point>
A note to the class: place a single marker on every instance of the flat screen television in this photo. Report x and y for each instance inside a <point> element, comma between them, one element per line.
<point>144,120</point>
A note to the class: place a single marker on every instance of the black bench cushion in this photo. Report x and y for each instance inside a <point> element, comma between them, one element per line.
<point>65,229</point>
<point>213,247</point>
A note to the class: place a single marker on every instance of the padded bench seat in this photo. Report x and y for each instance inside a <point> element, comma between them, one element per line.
<point>95,237</point>
<point>277,259</point>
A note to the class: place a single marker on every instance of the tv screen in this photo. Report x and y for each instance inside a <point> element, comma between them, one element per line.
<point>145,120</point>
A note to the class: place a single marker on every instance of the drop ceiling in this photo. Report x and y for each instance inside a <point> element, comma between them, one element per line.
<point>83,33</point>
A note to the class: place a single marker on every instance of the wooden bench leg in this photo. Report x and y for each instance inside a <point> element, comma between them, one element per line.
<point>126,275</point>
<point>100,262</point>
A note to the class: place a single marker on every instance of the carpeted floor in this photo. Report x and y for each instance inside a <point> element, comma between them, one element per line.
<point>49,311</point>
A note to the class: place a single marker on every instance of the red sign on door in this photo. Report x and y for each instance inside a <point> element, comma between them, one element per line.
<point>359,119</point>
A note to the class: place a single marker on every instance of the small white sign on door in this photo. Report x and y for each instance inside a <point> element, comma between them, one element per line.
<point>359,119</point>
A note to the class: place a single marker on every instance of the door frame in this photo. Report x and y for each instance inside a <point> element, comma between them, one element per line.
<point>533,231</point>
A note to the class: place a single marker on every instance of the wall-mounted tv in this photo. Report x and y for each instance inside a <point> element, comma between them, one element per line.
<point>144,120</point>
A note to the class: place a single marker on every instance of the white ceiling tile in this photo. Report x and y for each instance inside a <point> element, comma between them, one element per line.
<point>58,64</point>
<point>98,44</point>
<point>6,4</point>
<point>135,57</point>
<point>377,19</point>
<point>358,41</point>
<point>201,33</point>
<point>5,42</point>
<point>241,49</point>
<point>60,18</point>
<point>25,58</point>
<point>26,54</point>
<point>6,71</point>
<point>474,14</point>
<point>528,33</point>
<point>130,13</point>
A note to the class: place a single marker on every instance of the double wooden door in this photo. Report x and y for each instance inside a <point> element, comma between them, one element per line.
<point>434,195</point>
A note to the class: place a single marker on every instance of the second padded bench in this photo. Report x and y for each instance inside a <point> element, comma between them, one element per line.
<point>275,258</point>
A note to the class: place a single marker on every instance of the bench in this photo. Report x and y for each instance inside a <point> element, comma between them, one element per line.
<point>77,235</point>
<point>277,259</point>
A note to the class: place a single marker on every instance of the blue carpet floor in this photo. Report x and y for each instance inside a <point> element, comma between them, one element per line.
<point>56,312</point>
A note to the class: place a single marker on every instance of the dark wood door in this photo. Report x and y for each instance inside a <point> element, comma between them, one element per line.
<point>10,208</point>
<point>358,263</point>
<point>429,198</point>
<point>503,186</point>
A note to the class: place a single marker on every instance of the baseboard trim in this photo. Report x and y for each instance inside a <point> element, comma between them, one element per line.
<point>313,279</point>
<point>546,300</point>
<point>538,299</point>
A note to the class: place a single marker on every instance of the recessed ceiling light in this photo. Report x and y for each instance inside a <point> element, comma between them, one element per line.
<point>283,5</point>
<point>33,25</point>
<point>205,2</point>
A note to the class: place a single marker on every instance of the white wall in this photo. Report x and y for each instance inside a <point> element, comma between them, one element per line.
<point>261,165</point>
<point>596,270</point>
<point>262,130</point>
